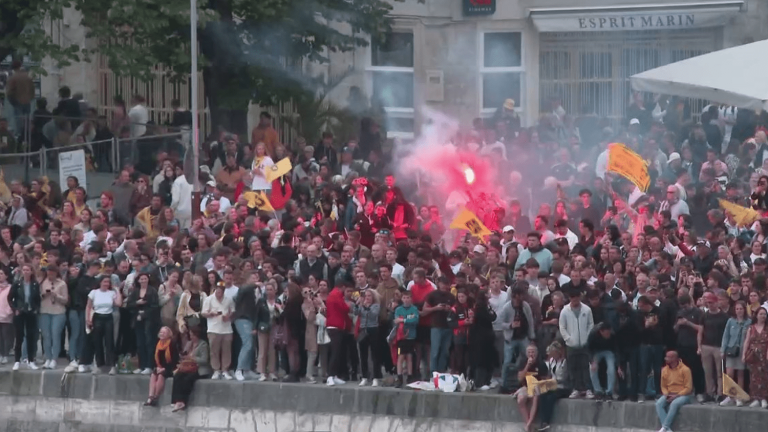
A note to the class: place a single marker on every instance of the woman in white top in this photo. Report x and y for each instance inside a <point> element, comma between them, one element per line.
<point>218,310</point>
<point>101,303</point>
<point>261,163</point>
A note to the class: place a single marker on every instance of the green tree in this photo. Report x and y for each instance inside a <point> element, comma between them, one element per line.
<point>250,50</point>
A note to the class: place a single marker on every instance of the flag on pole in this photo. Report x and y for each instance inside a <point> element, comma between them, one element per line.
<point>466,220</point>
<point>732,390</point>
<point>258,200</point>
<point>278,170</point>
<point>624,161</point>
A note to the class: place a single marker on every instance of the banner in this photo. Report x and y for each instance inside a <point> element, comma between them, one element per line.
<point>72,163</point>
<point>466,220</point>
<point>278,170</point>
<point>625,162</point>
<point>744,216</point>
<point>543,385</point>
<point>258,200</point>
<point>731,389</point>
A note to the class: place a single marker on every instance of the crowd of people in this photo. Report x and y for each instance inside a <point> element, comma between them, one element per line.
<point>613,292</point>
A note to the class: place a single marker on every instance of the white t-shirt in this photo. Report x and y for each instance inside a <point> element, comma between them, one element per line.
<point>259,181</point>
<point>139,117</point>
<point>103,301</point>
<point>398,271</point>
<point>216,324</point>
<point>231,292</point>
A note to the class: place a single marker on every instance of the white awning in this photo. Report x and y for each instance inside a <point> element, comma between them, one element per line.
<point>733,76</point>
<point>635,17</point>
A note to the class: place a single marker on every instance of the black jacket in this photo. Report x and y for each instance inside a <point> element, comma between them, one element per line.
<point>16,299</point>
<point>78,295</point>
<point>149,311</point>
<point>263,318</point>
<point>245,304</point>
<point>285,256</point>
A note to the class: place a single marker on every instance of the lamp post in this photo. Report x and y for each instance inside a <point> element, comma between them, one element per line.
<point>194,142</point>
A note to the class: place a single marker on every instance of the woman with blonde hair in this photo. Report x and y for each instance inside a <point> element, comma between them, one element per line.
<point>367,311</point>
<point>166,359</point>
<point>68,217</point>
<point>190,305</point>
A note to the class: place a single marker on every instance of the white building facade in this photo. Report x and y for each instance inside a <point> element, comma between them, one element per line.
<point>465,57</point>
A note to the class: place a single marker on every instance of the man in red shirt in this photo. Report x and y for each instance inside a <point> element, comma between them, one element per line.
<point>419,292</point>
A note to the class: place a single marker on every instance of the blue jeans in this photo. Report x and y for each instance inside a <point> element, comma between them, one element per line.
<point>52,325</point>
<point>667,417</point>
<point>651,359</point>
<point>512,350</point>
<point>440,343</point>
<point>244,329</point>
<point>610,363</point>
<point>76,333</point>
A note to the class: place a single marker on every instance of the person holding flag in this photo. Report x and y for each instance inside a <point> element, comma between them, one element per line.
<point>262,164</point>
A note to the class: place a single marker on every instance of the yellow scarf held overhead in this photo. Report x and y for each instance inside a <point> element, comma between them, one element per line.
<point>163,348</point>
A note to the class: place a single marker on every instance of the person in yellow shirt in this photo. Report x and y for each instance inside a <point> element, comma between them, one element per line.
<point>264,132</point>
<point>676,389</point>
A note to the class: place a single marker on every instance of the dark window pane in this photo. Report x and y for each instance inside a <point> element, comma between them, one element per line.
<point>502,50</point>
<point>395,50</point>
<point>500,86</point>
<point>393,89</point>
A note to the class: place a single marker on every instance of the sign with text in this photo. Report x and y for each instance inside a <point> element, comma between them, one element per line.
<point>72,164</point>
<point>479,7</point>
<point>631,20</point>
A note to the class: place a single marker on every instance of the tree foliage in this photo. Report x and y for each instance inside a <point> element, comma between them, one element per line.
<point>251,50</point>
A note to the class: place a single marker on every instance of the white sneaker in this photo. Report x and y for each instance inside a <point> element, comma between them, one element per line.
<point>339,381</point>
<point>70,369</point>
<point>239,375</point>
<point>216,375</point>
<point>494,384</point>
<point>574,395</point>
<point>589,395</point>
<point>146,371</point>
<point>310,380</point>
<point>263,377</point>
<point>739,403</point>
<point>137,371</point>
<point>251,375</point>
<point>95,370</point>
<point>73,363</point>
<point>663,429</point>
<point>755,403</point>
<point>52,365</point>
<point>3,360</point>
<point>764,404</point>
<point>376,382</point>
<point>700,398</point>
<point>82,368</point>
<point>113,370</point>
<point>485,388</point>
<point>363,382</point>
<point>226,375</point>
<point>46,365</point>
<point>17,365</point>
<point>32,366</point>
<point>330,381</point>
<point>727,401</point>
<point>273,377</point>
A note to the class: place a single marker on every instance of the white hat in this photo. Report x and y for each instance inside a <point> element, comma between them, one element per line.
<point>478,249</point>
<point>673,157</point>
<point>211,183</point>
<point>508,228</point>
<point>634,121</point>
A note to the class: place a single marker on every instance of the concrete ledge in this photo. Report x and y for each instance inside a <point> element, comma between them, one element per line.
<point>53,400</point>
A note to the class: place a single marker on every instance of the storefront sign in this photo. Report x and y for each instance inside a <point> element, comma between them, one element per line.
<point>586,20</point>
<point>479,7</point>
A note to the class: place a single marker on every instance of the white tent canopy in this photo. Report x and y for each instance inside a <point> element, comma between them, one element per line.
<point>734,76</point>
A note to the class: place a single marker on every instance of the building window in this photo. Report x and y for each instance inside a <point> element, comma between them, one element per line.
<point>501,69</point>
<point>391,81</point>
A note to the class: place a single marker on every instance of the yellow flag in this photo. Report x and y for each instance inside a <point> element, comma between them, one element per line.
<point>544,385</point>
<point>731,389</point>
<point>744,216</point>
<point>278,170</point>
<point>258,200</point>
<point>5,192</point>
<point>466,220</point>
<point>625,162</point>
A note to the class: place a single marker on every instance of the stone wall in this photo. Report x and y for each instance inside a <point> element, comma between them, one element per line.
<point>53,402</point>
